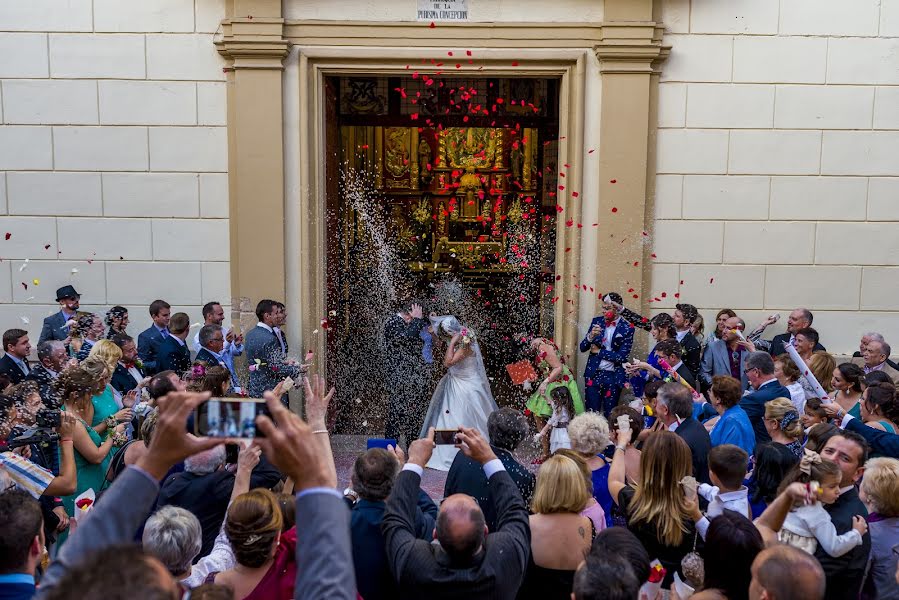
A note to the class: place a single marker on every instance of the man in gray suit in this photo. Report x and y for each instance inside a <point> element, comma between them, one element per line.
<point>266,351</point>
<point>323,539</point>
<point>727,355</point>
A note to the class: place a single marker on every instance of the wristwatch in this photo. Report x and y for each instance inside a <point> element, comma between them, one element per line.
<point>351,494</point>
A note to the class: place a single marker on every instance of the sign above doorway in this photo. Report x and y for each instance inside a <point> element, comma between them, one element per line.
<point>444,10</point>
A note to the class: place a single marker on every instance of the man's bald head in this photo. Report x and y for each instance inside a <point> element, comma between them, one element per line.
<point>461,529</point>
<point>786,573</point>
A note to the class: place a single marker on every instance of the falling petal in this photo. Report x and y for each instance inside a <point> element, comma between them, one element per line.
<point>25,320</point>
<point>74,271</point>
<point>24,266</point>
<point>36,281</point>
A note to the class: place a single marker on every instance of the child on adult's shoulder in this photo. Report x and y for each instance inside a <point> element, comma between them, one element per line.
<point>808,525</point>
<point>727,470</point>
<point>563,411</point>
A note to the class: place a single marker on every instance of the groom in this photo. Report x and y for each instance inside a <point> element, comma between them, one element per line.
<point>405,373</point>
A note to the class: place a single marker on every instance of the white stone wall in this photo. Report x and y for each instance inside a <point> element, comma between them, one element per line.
<point>113,152</point>
<point>778,162</point>
<point>534,11</point>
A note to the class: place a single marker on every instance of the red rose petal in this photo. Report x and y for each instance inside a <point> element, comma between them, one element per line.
<point>613,181</point>
<point>614,209</point>
<point>8,235</point>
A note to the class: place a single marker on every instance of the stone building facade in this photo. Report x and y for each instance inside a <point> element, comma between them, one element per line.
<point>174,148</point>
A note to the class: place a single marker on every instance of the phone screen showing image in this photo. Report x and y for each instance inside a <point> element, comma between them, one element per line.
<point>229,417</point>
<point>445,437</point>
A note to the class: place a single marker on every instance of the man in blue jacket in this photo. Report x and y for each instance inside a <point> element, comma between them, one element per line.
<point>759,371</point>
<point>609,341</point>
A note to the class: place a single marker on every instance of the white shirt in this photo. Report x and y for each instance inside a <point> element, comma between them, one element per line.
<point>736,501</point>
<point>797,395</point>
<point>229,348</point>
<point>177,339</point>
<point>607,336</point>
<point>682,334</point>
<point>812,521</point>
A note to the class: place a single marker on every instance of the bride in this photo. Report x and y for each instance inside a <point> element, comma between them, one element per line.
<point>463,396</point>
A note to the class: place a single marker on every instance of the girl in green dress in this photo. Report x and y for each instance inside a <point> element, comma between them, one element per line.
<point>93,451</point>
<point>552,372</point>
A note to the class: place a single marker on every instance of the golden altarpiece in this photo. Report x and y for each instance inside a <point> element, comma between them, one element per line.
<point>461,182</point>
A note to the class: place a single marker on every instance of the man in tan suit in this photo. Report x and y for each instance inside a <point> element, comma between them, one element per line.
<point>875,359</point>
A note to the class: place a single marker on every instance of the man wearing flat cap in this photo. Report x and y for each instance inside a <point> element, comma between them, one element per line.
<point>55,327</point>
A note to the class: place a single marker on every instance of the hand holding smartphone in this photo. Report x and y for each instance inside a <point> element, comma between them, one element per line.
<point>445,437</point>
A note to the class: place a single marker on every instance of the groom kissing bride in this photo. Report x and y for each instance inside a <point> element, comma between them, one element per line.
<point>462,397</point>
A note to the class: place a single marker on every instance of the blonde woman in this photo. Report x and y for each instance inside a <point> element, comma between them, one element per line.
<point>880,492</point>
<point>783,424</point>
<point>108,412</point>
<point>657,509</point>
<point>560,536</point>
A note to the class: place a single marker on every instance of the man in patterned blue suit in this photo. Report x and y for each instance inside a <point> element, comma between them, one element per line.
<point>609,341</point>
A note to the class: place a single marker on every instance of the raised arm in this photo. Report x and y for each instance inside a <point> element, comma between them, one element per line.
<point>66,482</point>
<point>881,442</point>
<point>323,534</point>
<point>126,504</point>
<point>638,321</point>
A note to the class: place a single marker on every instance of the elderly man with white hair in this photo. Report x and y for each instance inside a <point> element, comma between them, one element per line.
<point>174,535</point>
<point>205,487</point>
<point>867,338</point>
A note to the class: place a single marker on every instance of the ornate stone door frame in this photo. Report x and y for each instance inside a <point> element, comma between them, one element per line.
<point>277,151</point>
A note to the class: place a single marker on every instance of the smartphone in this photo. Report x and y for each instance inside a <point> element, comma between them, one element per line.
<point>229,417</point>
<point>381,443</point>
<point>232,451</point>
<point>445,437</point>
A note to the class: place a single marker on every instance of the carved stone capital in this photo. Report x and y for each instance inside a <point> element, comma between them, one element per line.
<point>631,47</point>
<point>253,43</point>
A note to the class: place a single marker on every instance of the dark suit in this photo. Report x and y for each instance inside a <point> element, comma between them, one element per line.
<point>404,376</point>
<point>846,573</point>
<point>603,387</point>
<point>881,442</point>
<point>44,379</point>
<point>122,380</point>
<point>697,438</point>
<point>423,570</point>
<point>754,405</point>
<point>466,476</point>
<point>85,350</point>
<point>692,355</point>
<point>173,356</point>
<point>778,345</point>
<point>11,370</point>
<point>204,355</point>
<point>686,374</point>
<point>373,576</point>
<point>206,496</point>
<point>147,343</point>
<point>54,328</point>
<point>263,344</point>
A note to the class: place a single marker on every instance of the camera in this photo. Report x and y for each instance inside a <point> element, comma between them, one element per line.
<point>33,436</point>
<point>48,418</point>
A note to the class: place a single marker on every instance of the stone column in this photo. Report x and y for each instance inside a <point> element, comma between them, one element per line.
<point>252,40</point>
<point>629,54</point>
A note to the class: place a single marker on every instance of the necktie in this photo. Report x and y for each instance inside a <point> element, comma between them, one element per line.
<point>277,333</point>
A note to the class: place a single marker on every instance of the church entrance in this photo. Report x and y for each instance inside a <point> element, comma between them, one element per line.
<point>441,191</point>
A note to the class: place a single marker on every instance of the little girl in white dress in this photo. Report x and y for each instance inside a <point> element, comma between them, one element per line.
<point>563,410</point>
<point>808,526</point>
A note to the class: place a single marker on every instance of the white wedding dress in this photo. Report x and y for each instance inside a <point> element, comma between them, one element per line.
<point>462,397</point>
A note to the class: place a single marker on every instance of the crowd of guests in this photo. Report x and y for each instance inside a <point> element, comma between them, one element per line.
<point>725,466</point>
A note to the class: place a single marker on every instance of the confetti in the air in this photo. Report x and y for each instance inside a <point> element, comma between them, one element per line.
<point>24,266</point>
<point>25,320</point>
